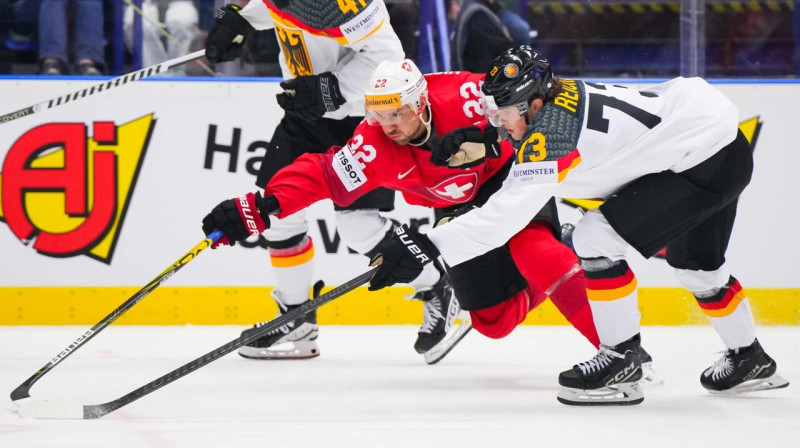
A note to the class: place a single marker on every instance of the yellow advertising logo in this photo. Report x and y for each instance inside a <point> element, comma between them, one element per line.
<point>67,192</point>
<point>388,101</point>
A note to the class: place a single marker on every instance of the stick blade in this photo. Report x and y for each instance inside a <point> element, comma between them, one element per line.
<point>46,409</point>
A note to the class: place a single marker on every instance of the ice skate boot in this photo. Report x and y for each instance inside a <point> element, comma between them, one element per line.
<point>610,378</point>
<point>295,340</point>
<point>438,335</point>
<point>745,369</point>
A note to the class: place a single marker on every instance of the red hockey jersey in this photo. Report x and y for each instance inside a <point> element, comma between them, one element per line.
<point>371,159</point>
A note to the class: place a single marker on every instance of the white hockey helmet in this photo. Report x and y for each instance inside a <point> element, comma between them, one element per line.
<point>393,85</point>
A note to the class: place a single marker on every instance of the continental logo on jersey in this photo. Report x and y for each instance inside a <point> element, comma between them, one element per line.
<point>382,102</point>
<point>569,97</point>
<point>295,51</point>
<point>67,193</point>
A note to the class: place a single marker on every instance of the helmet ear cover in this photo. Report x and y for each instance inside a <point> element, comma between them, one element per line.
<point>517,76</point>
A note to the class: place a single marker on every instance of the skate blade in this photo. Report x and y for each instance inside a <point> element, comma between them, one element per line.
<point>286,350</point>
<point>650,377</point>
<point>448,343</point>
<point>625,394</point>
<point>773,382</point>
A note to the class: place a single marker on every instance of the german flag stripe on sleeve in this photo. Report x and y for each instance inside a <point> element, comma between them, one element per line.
<point>567,163</point>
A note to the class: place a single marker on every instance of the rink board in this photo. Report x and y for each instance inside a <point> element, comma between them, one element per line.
<point>146,162</point>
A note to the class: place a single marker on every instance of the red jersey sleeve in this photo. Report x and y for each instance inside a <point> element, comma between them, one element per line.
<point>343,174</point>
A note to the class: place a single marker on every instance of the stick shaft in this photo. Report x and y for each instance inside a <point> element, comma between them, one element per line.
<point>99,410</point>
<point>23,390</point>
<point>101,87</point>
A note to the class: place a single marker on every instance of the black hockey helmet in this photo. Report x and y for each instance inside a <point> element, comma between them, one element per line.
<point>517,76</point>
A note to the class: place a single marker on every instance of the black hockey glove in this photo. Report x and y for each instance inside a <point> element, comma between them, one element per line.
<point>404,256</point>
<point>241,217</point>
<point>309,97</point>
<point>223,43</point>
<point>466,147</point>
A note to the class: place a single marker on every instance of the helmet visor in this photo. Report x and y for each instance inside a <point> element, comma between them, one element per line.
<point>390,117</point>
<point>499,115</point>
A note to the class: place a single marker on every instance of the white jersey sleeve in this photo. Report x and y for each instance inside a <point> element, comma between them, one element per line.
<point>258,15</point>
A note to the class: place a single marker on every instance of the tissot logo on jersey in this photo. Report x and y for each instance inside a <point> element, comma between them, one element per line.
<point>348,169</point>
<point>68,192</point>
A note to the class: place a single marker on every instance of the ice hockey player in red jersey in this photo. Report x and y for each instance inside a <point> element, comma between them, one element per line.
<point>408,115</point>
<point>670,164</point>
<point>327,52</point>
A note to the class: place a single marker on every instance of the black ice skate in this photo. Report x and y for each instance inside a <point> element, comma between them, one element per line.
<point>438,336</point>
<point>610,378</point>
<point>745,369</point>
<point>295,340</point>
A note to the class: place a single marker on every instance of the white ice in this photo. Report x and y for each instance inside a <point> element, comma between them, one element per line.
<point>370,389</point>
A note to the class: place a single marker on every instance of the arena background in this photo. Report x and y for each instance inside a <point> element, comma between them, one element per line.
<point>162,153</point>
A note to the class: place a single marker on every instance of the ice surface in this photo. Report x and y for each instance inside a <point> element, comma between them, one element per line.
<point>370,389</point>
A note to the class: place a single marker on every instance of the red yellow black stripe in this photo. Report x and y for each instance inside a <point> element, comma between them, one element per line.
<point>725,302</point>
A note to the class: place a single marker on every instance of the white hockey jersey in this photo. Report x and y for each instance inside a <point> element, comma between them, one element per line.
<point>347,38</point>
<point>589,142</point>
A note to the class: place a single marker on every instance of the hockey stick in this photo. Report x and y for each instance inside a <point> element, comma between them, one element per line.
<point>102,87</point>
<point>23,390</point>
<point>57,410</point>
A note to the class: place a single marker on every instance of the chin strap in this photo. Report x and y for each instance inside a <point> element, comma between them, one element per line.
<point>427,128</point>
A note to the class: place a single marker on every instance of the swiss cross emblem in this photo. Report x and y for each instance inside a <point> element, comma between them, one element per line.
<point>457,189</point>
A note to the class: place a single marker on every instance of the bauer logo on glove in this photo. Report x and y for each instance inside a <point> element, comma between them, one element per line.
<point>240,218</point>
<point>411,245</point>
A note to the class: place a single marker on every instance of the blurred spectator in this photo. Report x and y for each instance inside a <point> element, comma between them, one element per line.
<point>180,21</point>
<point>404,17</point>
<point>517,27</point>
<point>478,35</point>
<point>87,37</point>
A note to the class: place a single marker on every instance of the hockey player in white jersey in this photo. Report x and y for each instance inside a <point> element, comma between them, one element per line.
<point>670,164</point>
<point>328,51</point>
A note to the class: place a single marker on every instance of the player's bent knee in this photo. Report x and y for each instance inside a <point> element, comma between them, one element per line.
<point>594,237</point>
<point>500,320</point>
<point>698,281</point>
<point>362,230</point>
